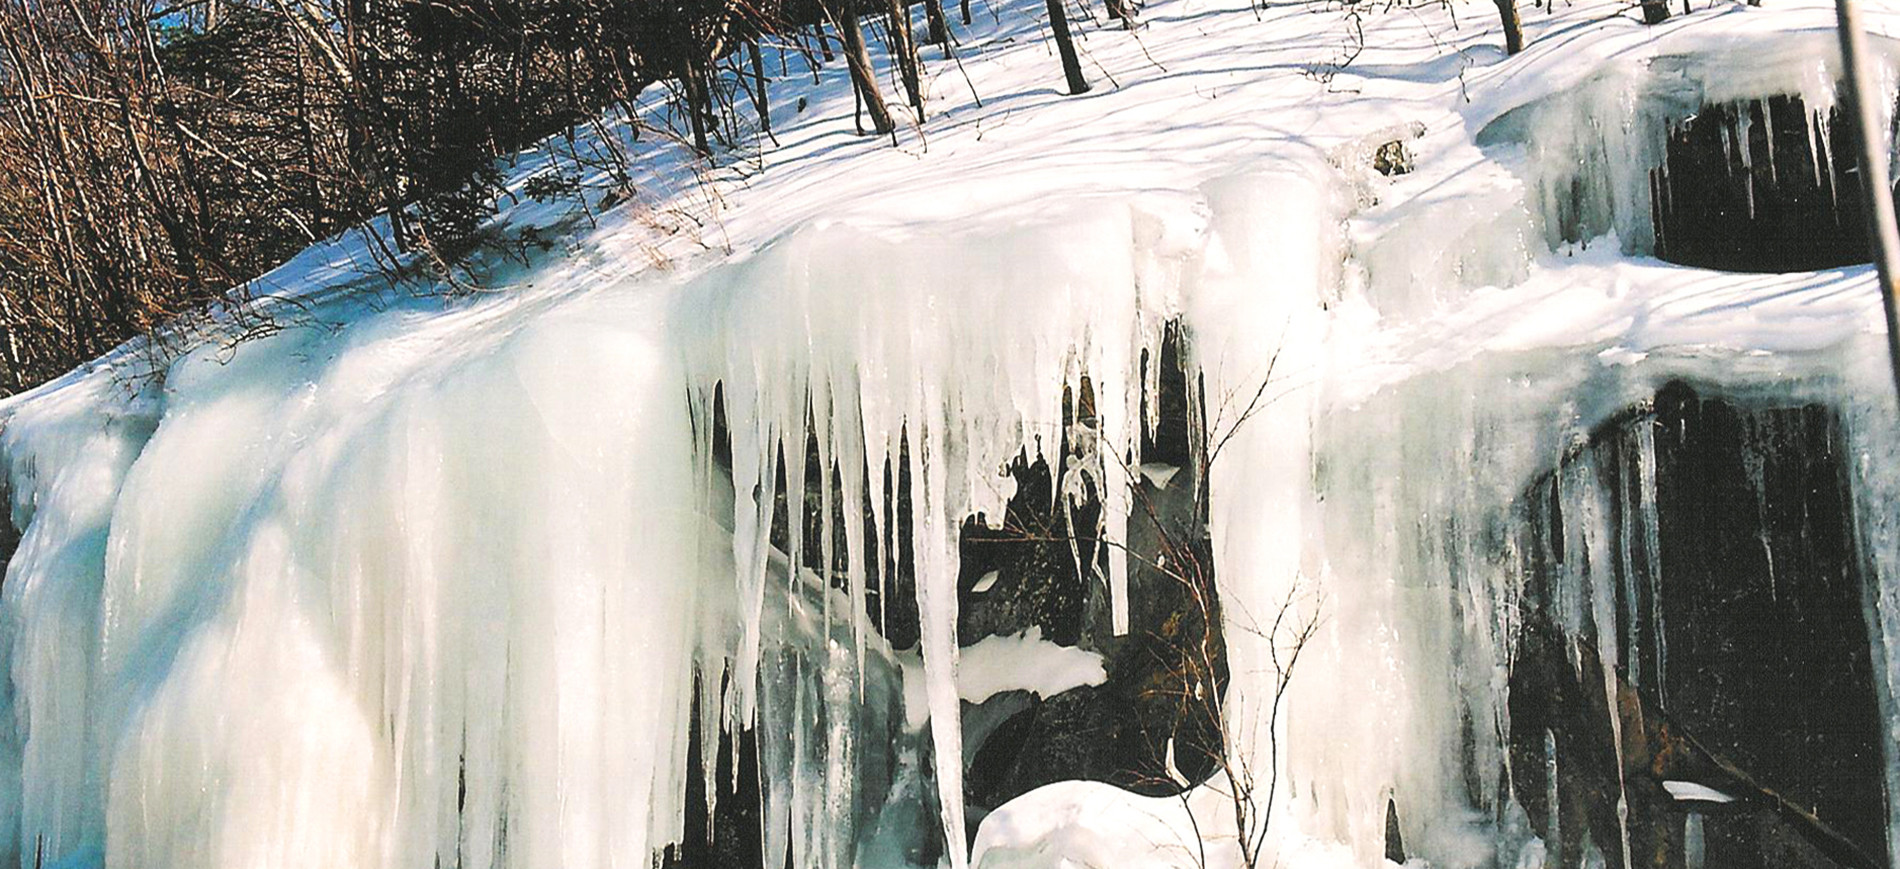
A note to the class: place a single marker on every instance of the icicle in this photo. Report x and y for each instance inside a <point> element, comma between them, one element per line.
<point>884,513</point>
<point>1744,121</point>
<point>1632,581</point>
<point>1728,146</point>
<point>751,537</point>
<point>712,700</point>
<point>1768,127</point>
<point>1817,129</point>
<point>781,738</point>
<point>850,453</point>
<point>1694,847</point>
<point>793,446</point>
<point>937,613</point>
<point>822,428</point>
<point>1827,159</point>
<point>838,820</point>
<point>1647,514</point>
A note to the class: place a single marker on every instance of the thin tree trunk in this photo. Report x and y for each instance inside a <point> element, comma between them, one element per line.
<point>758,92</point>
<point>859,62</point>
<point>697,107</point>
<point>1513,27</point>
<point>966,13</point>
<point>1065,45</point>
<point>904,51</point>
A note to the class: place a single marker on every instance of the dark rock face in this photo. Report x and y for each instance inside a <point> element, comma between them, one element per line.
<point>1394,840</point>
<point>1762,608</point>
<point>1035,582</point>
<point>1734,655</point>
<point>1165,677</point>
<point>729,838</point>
<point>1744,188</point>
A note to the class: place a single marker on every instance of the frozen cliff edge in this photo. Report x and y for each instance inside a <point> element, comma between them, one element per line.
<point>454,588</point>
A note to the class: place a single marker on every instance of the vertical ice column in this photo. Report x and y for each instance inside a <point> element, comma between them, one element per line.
<point>1873,437</point>
<point>1256,318</point>
<point>65,467</point>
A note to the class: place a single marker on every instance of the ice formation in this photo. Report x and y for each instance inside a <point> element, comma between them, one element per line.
<point>444,588</point>
<point>1591,150</point>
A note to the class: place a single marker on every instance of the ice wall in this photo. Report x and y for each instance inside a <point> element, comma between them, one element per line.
<point>386,599</point>
<point>437,588</point>
<point>1589,152</point>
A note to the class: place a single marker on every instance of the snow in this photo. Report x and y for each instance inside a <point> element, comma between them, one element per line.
<point>1074,824</point>
<point>1688,791</point>
<point>1158,475</point>
<point>429,577</point>
<point>1017,662</point>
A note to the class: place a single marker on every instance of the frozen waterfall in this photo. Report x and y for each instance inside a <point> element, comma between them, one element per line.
<point>508,585</point>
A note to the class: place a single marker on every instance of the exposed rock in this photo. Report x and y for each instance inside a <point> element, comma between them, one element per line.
<point>1739,657</point>
<point>1164,678</point>
<point>1743,189</point>
<point>1394,840</point>
<point>1392,158</point>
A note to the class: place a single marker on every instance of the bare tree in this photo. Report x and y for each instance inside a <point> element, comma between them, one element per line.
<point>759,96</point>
<point>858,61</point>
<point>1065,46</point>
<point>1513,26</point>
<point>904,52</point>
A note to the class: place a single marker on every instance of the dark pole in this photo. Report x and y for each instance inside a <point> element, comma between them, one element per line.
<point>1876,188</point>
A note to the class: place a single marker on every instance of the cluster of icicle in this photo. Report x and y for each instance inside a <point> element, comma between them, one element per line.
<point>959,347</point>
<point>438,589</point>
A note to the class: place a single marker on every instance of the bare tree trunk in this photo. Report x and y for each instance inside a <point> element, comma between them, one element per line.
<point>966,13</point>
<point>1065,45</point>
<point>939,33</point>
<point>758,83</point>
<point>1513,27</point>
<point>859,62</point>
<point>1119,11</point>
<point>904,51</point>
<point>1655,11</point>
<point>697,106</point>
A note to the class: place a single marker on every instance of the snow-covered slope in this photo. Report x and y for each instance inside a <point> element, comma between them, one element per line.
<point>425,579</point>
